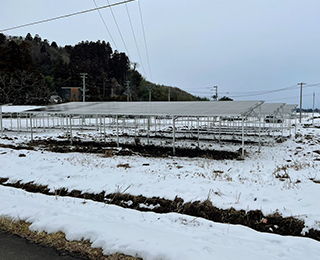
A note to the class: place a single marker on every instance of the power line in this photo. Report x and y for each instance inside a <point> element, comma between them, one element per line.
<point>115,20</point>
<point>135,39</point>
<point>65,16</point>
<point>145,40</point>
<point>105,25</point>
<point>258,93</point>
<point>251,93</point>
<point>313,85</point>
<point>289,98</point>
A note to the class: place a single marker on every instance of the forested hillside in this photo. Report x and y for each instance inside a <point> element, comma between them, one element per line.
<point>32,69</point>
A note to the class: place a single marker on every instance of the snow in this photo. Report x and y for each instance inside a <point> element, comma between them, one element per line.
<point>254,183</point>
<point>16,109</point>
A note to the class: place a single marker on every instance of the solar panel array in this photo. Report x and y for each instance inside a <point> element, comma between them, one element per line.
<point>204,108</point>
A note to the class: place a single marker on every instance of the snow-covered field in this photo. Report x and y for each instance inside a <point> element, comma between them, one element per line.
<point>282,178</point>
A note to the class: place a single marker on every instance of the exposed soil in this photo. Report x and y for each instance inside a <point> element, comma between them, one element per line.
<point>126,149</point>
<point>160,135</point>
<point>254,219</point>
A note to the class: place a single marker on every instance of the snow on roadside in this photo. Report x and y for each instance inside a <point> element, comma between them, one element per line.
<point>149,235</point>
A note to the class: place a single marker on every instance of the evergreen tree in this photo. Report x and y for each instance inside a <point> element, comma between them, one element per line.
<point>31,69</point>
<point>29,37</point>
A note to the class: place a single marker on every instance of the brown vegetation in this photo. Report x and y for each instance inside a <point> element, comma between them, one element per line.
<point>81,249</point>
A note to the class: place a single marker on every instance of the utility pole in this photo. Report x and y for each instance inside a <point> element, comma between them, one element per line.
<point>169,96</point>
<point>214,97</point>
<point>314,99</point>
<point>301,84</point>
<point>128,92</point>
<point>83,76</point>
<point>150,90</point>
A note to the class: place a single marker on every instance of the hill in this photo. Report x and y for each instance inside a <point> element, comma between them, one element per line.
<point>32,69</point>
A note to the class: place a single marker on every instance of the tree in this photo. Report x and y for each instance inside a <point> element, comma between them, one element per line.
<point>23,87</point>
<point>3,38</point>
<point>120,65</point>
<point>29,37</point>
<point>37,39</point>
<point>43,49</point>
<point>31,64</point>
<point>54,45</point>
<point>224,98</point>
<point>18,57</point>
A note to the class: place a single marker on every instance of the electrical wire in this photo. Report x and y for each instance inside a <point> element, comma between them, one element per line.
<point>65,16</point>
<point>119,31</point>
<point>135,39</point>
<point>292,97</point>
<point>257,93</point>
<point>105,25</point>
<point>313,85</point>
<point>145,40</point>
<point>251,93</point>
<point>274,91</point>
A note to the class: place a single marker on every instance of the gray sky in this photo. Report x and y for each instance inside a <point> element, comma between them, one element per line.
<point>244,47</point>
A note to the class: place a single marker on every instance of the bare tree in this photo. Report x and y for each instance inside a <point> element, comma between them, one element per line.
<point>23,87</point>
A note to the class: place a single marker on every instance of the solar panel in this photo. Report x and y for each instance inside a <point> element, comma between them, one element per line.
<point>187,108</point>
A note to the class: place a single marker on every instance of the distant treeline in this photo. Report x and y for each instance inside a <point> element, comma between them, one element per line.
<point>32,69</point>
<point>309,110</point>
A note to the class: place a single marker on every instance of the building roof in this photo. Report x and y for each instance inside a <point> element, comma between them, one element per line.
<point>182,108</point>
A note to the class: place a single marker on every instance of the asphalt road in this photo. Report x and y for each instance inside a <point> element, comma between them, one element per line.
<point>13,247</point>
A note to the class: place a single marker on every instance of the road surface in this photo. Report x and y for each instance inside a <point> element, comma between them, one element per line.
<point>13,247</point>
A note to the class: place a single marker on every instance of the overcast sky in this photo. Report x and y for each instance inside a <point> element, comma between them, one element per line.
<point>244,47</point>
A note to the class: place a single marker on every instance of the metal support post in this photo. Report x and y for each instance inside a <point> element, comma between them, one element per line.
<point>71,138</point>
<point>259,129</point>
<point>174,135</point>
<point>219,129</point>
<point>198,126</point>
<point>148,131</point>
<point>31,130</point>
<point>118,145</point>
<point>104,129</point>
<point>242,152</point>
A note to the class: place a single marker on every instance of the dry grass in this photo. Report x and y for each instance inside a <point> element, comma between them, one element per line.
<point>123,165</point>
<point>108,153</point>
<point>58,241</point>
